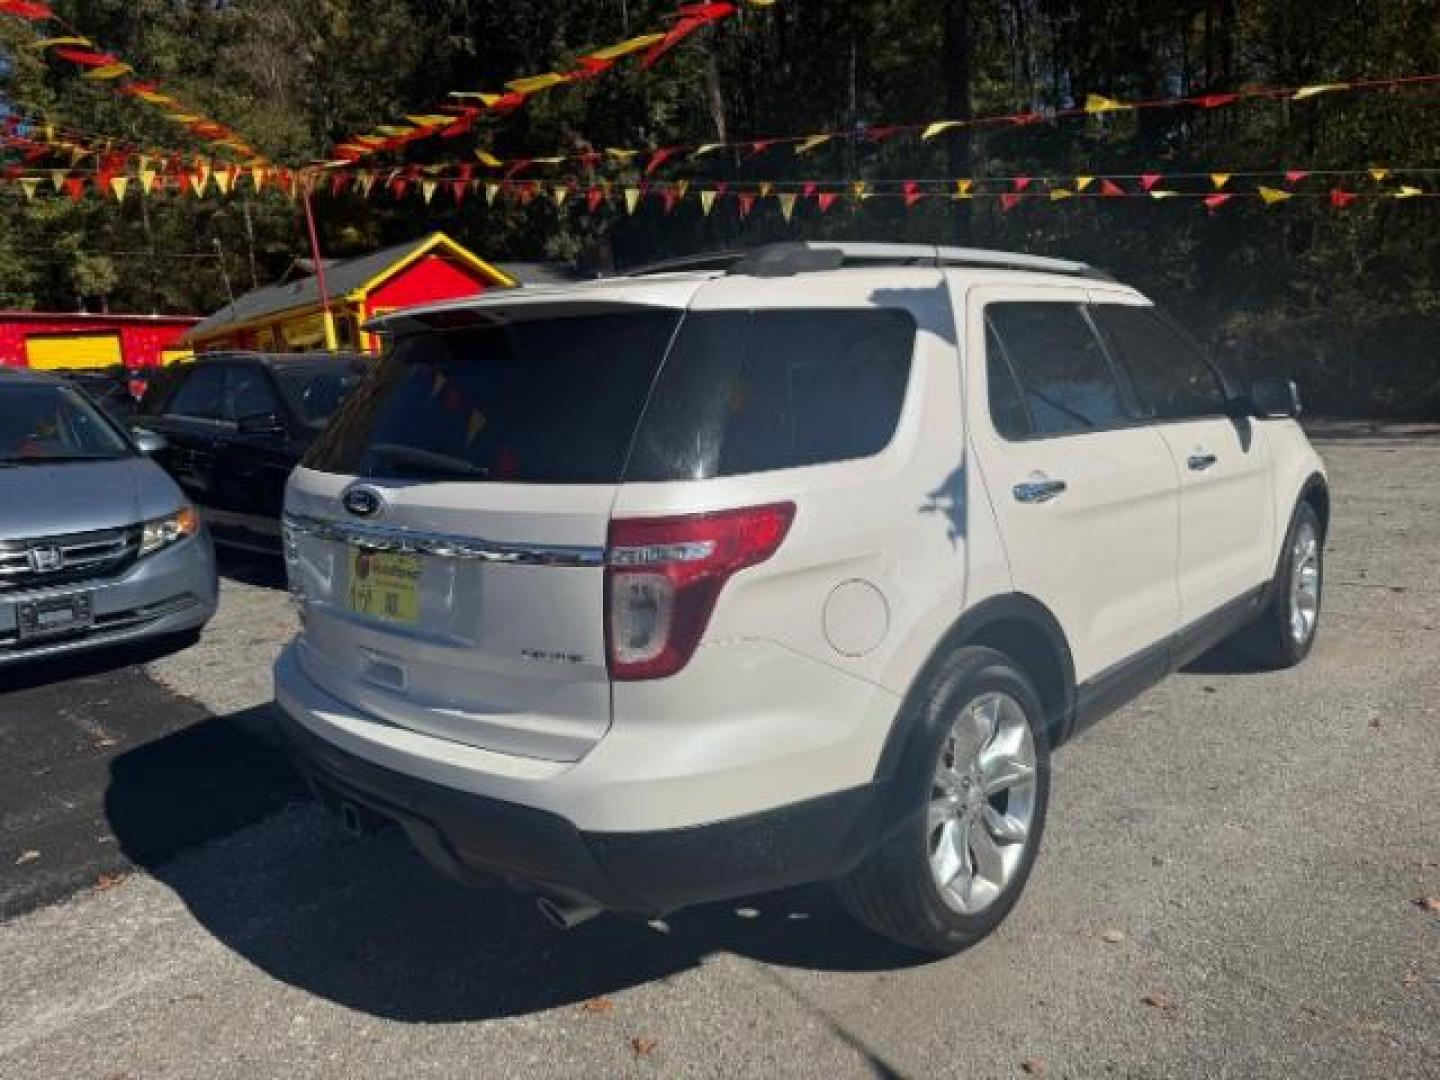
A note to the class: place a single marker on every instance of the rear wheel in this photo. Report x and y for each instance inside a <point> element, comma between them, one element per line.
<point>974,813</point>
<point>1283,634</point>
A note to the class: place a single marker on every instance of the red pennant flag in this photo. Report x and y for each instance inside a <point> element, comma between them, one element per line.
<point>1025,119</point>
<point>398,187</point>
<point>807,190</point>
<point>86,58</point>
<point>669,197</point>
<point>760,146</point>
<point>1148,180</point>
<point>467,173</point>
<point>1294,176</point>
<point>692,18</point>
<point>881,133</point>
<point>1214,101</point>
<point>825,200</point>
<point>519,166</point>
<point>1341,199</point>
<point>458,188</point>
<point>1008,201</point>
<point>75,187</point>
<point>1111,189</point>
<point>913,194</point>
<point>594,197</point>
<point>527,192</point>
<point>507,102</point>
<point>1020,183</point>
<point>27,9</point>
<point>1214,202</point>
<point>590,66</point>
<point>747,203</point>
<point>658,158</point>
<point>338,183</point>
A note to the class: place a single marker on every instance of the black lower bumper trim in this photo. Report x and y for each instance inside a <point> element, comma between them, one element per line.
<point>474,838</point>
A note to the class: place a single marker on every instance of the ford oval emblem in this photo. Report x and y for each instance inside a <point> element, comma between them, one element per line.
<point>362,501</point>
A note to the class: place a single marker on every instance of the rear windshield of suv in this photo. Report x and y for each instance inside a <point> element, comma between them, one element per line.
<point>571,400</point>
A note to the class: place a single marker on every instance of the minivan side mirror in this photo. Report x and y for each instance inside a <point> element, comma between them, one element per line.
<point>1272,397</point>
<point>260,424</point>
<point>148,442</point>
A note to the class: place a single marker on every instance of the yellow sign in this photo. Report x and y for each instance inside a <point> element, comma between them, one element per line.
<point>72,350</point>
<point>305,333</point>
<point>385,585</point>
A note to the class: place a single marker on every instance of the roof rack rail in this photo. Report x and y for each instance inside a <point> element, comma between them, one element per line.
<point>788,258</point>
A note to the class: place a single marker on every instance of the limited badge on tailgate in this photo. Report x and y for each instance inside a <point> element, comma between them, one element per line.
<point>385,585</point>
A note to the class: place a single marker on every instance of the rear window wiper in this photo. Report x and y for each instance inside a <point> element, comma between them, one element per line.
<point>428,462</point>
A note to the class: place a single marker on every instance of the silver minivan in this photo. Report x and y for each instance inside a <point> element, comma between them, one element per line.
<point>97,545</point>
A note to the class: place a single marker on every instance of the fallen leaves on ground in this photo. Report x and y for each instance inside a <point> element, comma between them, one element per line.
<point>643,1045</point>
<point>600,1004</point>
<point>27,856</point>
<point>1032,1067</point>
<point>1428,903</point>
<point>1158,1001</point>
<point>106,882</point>
<point>1112,937</point>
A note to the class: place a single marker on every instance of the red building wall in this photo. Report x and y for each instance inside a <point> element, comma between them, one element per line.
<point>142,337</point>
<point>426,281</point>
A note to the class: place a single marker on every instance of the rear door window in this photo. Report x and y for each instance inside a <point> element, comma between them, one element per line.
<point>250,394</point>
<point>544,401</point>
<point>1172,379</point>
<point>201,396</point>
<point>753,391</point>
<point>1065,377</point>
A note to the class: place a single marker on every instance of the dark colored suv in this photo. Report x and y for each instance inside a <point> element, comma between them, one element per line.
<point>236,424</point>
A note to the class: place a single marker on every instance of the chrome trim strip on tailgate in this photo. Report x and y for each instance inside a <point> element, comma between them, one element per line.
<point>443,545</point>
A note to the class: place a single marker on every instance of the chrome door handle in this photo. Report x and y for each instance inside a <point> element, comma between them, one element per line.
<point>1199,462</point>
<point>1037,491</point>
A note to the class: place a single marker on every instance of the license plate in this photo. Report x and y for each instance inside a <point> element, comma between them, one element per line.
<point>385,585</point>
<point>54,615</point>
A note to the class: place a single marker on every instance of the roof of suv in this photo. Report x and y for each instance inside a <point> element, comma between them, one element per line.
<point>673,282</point>
<point>13,375</point>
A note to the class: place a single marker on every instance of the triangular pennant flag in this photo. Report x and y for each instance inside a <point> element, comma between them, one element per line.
<point>1379,174</point>
<point>806,145</point>
<point>1270,196</point>
<point>1110,189</point>
<point>1083,182</point>
<point>594,197</point>
<point>765,188</point>
<point>1098,103</point>
<point>1341,199</point>
<point>707,201</point>
<point>491,190</point>
<point>474,426</point>
<point>860,190</point>
<point>197,181</point>
<point>558,194</point>
<point>489,160</point>
<point>747,203</point>
<point>1214,202</point>
<point>1214,101</point>
<point>225,180</point>
<point>1148,180</point>
<point>701,151</point>
<point>1407,191</point>
<point>203,171</point>
<point>1318,88</point>
<point>57,178</point>
<point>366,183</point>
<point>787,205</point>
<point>632,199</point>
<point>825,200</point>
<point>912,193</point>
<point>257,176</point>
<point>75,187</point>
<point>659,157</point>
<point>1219,179</point>
<point>1294,176</point>
<point>427,190</point>
<point>963,189</point>
<point>458,189</point>
<point>939,127</point>
<point>30,184</point>
<point>119,185</point>
<point>1020,183</point>
<point>1056,194</point>
<point>681,187</point>
<point>1008,201</point>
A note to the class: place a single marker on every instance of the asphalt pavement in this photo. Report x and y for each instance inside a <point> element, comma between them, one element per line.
<point>1233,883</point>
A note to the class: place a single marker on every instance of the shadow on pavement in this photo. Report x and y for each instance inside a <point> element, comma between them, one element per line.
<point>90,662</point>
<point>364,922</point>
<point>250,568</point>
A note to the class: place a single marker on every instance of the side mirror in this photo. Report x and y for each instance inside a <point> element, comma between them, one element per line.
<point>148,442</point>
<point>260,424</point>
<point>1272,397</point>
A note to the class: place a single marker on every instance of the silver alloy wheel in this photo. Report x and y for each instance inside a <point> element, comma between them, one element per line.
<point>982,802</point>
<point>1304,583</point>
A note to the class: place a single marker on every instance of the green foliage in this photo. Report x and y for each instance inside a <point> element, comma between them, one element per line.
<point>1345,300</point>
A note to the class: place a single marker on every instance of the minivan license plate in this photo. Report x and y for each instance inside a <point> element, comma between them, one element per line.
<point>385,585</point>
<point>54,615</point>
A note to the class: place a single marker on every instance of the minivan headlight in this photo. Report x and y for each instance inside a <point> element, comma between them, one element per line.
<point>162,532</point>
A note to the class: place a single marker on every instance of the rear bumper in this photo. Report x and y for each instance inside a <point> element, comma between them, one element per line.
<point>170,592</point>
<point>475,837</point>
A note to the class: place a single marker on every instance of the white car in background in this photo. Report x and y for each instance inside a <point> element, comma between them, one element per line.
<point>690,584</point>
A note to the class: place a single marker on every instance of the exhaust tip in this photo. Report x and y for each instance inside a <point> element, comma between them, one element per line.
<point>565,914</point>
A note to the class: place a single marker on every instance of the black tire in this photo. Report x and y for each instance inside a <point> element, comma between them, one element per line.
<point>1269,642</point>
<point>894,891</point>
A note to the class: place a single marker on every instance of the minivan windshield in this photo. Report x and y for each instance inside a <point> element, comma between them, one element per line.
<point>43,423</point>
<point>549,401</point>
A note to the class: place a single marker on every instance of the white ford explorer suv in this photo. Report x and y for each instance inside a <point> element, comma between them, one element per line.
<point>791,567</point>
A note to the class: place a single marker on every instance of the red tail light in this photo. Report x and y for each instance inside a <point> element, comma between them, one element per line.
<point>663,576</point>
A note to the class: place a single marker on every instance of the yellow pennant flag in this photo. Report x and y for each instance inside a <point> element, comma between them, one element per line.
<point>473,428</point>
<point>57,177</point>
<point>963,189</point>
<point>367,184</point>
<point>707,148</point>
<point>184,118</point>
<point>257,176</point>
<point>939,127</point>
<point>681,187</point>
<point>491,191</point>
<point>109,71</point>
<point>533,84</point>
<point>1099,103</point>
<point>427,190</point>
<point>558,194</point>
<point>392,130</point>
<point>860,189</point>
<point>1408,192</point>
<point>202,174</point>
<point>625,48</point>
<point>621,155</point>
<point>30,183</point>
<point>707,201</point>
<point>1319,88</point>
<point>787,205</point>
<point>1083,182</point>
<point>489,160</point>
<point>476,95</point>
<point>224,180</point>
<point>50,42</point>
<point>632,199</point>
<point>430,120</point>
<point>1379,174</point>
<point>1056,194</point>
<point>765,188</point>
<point>119,185</point>
<point>806,145</point>
<point>1219,179</point>
<point>147,181</point>
<point>1270,196</point>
